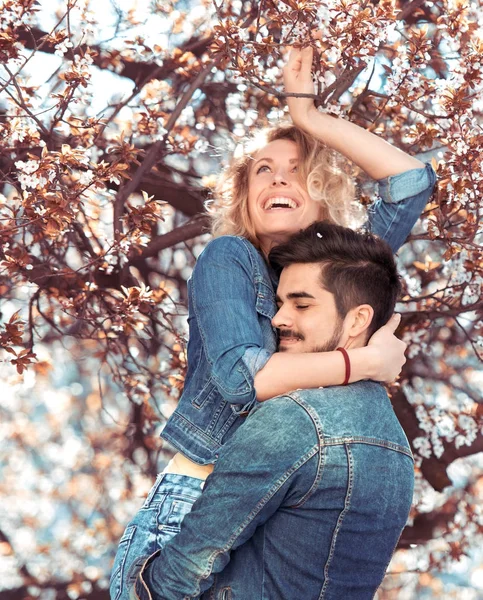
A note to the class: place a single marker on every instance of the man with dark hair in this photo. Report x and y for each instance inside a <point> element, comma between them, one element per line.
<point>355,268</point>
<point>309,499</point>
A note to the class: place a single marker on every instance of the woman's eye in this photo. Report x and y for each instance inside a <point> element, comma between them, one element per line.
<point>295,170</point>
<point>302,306</point>
<point>259,170</point>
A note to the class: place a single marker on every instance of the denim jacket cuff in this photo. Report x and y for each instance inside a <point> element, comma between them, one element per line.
<point>140,590</point>
<point>255,359</point>
<point>396,188</point>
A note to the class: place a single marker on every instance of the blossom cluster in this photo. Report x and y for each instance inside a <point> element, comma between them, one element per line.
<point>441,424</point>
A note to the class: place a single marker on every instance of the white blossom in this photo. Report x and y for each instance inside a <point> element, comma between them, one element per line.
<point>423,446</point>
<point>63,47</point>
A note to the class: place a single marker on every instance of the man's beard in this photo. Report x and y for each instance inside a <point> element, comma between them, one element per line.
<point>327,346</point>
<point>331,344</point>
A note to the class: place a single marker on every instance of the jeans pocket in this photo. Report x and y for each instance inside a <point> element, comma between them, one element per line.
<point>116,584</point>
<point>173,512</point>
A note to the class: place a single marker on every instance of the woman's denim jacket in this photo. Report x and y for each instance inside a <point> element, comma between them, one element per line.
<point>231,304</point>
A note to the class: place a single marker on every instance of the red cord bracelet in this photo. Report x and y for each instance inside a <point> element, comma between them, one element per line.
<point>347,365</point>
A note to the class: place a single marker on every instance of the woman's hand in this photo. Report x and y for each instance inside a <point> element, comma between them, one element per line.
<point>297,77</point>
<point>388,351</point>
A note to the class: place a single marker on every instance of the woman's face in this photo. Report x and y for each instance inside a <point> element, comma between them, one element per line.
<point>278,203</point>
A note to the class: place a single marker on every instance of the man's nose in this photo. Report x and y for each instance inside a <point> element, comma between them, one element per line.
<point>282,319</point>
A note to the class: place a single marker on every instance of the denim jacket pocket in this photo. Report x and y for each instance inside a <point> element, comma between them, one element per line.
<point>208,392</point>
<point>265,303</point>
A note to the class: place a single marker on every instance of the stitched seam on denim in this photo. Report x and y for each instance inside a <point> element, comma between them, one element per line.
<point>262,357</point>
<point>265,311</point>
<point>223,595</point>
<point>178,417</point>
<point>249,518</point>
<point>127,537</point>
<point>204,392</point>
<point>218,382</point>
<point>164,521</point>
<point>191,303</point>
<point>425,179</point>
<point>134,569</point>
<point>394,549</point>
<point>228,424</point>
<point>197,450</point>
<point>216,416</point>
<point>337,441</point>
<point>320,441</point>
<point>127,540</point>
<point>254,258</point>
<point>148,503</point>
<point>338,526</point>
<point>389,227</point>
<point>234,392</point>
<point>259,275</point>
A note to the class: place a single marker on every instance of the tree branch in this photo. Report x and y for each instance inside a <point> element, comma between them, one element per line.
<point>181,234</point>
<point>434,469</point>
<point>153,154</point>
<point>137,71</point>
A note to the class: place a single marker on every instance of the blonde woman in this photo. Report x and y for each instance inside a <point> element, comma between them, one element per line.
<point>285,181</point>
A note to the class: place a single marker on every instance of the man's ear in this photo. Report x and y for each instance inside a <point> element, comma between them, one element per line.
<point>360,318</point>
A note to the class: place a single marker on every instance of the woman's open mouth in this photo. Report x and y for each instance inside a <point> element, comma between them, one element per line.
<point>279,203</point>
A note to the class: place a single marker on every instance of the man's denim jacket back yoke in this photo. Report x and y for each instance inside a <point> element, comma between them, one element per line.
<point>231,304</point>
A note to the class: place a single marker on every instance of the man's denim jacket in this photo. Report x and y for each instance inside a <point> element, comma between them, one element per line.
<point>231,304</point>
<point>306,501</point>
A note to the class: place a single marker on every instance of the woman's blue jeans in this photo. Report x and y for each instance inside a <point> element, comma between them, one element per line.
<point>159,519</point>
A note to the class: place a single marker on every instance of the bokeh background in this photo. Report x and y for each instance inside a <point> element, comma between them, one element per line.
<point>115,119</point>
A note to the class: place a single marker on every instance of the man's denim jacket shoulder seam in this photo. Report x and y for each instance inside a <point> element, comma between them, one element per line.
<point>230,342</point>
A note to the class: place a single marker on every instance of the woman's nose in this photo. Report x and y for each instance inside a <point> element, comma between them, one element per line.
<point>279,178</point>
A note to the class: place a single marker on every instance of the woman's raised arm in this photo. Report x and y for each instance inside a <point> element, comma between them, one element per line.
<point>375,156</point>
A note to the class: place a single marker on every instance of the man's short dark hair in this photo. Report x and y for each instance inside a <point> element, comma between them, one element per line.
<point>356,267</point>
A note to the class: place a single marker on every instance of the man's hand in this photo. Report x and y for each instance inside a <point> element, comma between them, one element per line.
<point>388,350</point>
<point>297,77</point>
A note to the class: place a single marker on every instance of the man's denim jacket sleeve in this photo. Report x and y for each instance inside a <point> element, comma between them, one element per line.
<point>402,199</point>
<point>252,479</point>
<point>224,300</point>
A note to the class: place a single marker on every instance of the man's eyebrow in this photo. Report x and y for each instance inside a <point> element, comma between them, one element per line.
<point>295,295</point>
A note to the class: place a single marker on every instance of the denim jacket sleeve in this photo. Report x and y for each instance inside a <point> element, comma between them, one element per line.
<point>224,303</point>
<point>246,493</point>
<point>402,199</point>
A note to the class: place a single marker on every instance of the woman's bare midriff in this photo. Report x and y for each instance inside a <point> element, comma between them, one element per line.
<point>180,465</point>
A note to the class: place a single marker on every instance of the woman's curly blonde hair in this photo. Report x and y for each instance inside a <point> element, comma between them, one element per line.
<point>324,172</point>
